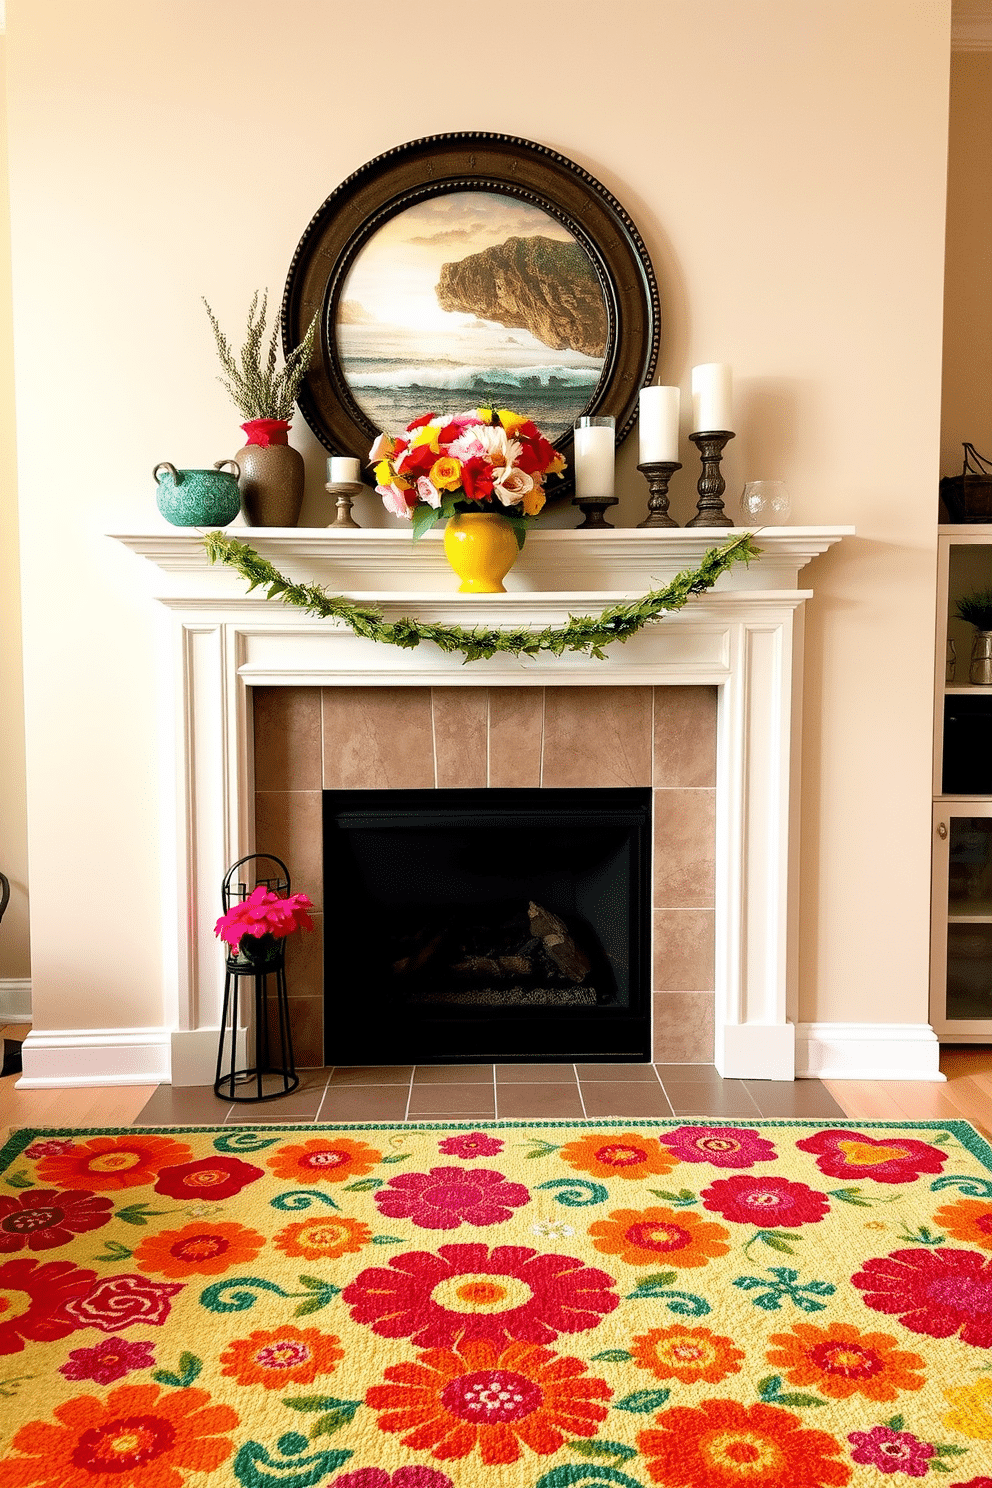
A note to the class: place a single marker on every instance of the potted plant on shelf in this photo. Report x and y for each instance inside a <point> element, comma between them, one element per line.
<point>253,926</point>
<point>482,472</point>
<point>976,609</point>
<point>272,471</point>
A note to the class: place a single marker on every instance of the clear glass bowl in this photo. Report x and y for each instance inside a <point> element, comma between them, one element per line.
<point>765,503</point>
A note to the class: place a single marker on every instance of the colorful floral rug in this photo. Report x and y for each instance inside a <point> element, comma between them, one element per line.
<point>776,1304</point>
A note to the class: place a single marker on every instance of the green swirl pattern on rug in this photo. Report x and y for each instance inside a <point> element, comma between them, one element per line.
<point>690,1303</point>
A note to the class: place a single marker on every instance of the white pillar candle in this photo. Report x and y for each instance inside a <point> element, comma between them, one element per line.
<point>342,468</point>
<point>712,401</point>
<point>594,460</point>
<point>658,425</point>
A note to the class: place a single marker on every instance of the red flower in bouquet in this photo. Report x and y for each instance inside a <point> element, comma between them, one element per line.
<point>480,460</point>
<point>264,913</point>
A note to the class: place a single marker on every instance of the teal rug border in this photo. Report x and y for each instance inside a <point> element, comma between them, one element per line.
<point>967,1135</point>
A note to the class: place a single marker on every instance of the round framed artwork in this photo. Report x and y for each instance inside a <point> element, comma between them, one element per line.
<point>471,269</point>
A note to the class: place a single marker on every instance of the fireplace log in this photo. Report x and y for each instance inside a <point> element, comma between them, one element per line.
<point>554,936</point>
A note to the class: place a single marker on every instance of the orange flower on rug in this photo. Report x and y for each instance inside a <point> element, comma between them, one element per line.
<point>586,1304</point>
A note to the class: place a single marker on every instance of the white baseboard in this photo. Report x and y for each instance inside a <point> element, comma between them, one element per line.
<point>756,1051</point>
<point>867,1051</point>
<point>73,1058</point>
<point>194,1054</point>
<point>15,1000</point>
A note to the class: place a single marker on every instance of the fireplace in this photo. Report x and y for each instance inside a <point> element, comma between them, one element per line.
<point>485,925</point>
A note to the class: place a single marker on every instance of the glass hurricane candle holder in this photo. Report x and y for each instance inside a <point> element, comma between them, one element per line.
<point>595,467</point>
<point>765,503</point>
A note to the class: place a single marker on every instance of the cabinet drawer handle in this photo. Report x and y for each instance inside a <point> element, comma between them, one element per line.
<point>941,830</point>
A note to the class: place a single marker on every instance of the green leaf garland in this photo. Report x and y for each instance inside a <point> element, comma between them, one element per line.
<point>590,633</point>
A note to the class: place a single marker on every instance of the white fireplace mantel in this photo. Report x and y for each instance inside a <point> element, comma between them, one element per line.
<point>744,637</point>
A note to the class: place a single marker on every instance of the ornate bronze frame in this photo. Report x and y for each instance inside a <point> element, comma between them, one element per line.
<point>444,163</point>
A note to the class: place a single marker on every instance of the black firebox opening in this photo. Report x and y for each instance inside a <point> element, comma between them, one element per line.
<point>486,925</point>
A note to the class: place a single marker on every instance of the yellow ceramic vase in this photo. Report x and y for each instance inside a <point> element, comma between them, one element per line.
<point>482,548</point>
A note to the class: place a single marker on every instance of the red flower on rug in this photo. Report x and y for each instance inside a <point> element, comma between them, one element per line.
<point>691,1355</point>
<point>51,1147</point>
<point>469,1292</point>
<point>277,1357</point>
<point>722,1146</point>
<point>643,1237</point>
<point>107,1361</point>
<point>211,1178</point>
<point>403,1477</point>
<point>472,1144</point>
<point>892,1451</point>
<point>320,1157</point>
<point>478,1397</point>
<point>445,1198</point>
<point>969,1220</point>
<point>839,1360</point>
<point>723,1444</point>
<point>32,1299</point>
<point>199,1249</point>
<point>766,1202</point>
<point>618,1155</point>
<point>118,1301</point>
<point>849,1154</point>
<point>112,1163</point>
<point>43,1218</point>
<point>137,1437</point>
<point>938,1292</point>
<point>973,1483</point>
<point>323,1238</point>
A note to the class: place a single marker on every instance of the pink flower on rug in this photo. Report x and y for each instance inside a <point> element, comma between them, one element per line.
<point>723,1146</point>
<point>853,1154</point>
<point>116,1302</point>
<point>445,1198</point>
<point>403,1477</point>
<point>210,1178</point>
<point>937,1292</point>
<point>44,1218</point>
<point>470,1291</point>
<point>107,1361</point>
<point>892,1451</point>
<point>973,1483</point>
<point>51,1147</point>
<point>472,1144</point>
<point>767,1202</point>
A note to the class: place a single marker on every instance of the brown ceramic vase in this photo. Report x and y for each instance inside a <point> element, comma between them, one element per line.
<point>272,475</point>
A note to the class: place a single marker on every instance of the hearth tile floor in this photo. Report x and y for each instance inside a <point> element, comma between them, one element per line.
<point>486,1092</point>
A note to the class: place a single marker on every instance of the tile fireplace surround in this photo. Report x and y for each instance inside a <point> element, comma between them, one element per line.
<point>238,659</point>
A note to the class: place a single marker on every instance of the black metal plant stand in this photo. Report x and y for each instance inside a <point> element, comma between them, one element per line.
<point>272,1071</point>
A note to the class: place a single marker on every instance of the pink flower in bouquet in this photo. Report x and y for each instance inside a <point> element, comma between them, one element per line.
<point>264,913</point>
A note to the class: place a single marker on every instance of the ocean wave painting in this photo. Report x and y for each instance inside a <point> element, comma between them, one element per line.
<point>472,298</point>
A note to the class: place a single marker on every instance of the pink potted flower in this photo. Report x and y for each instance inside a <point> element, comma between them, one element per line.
<point>252,927</point>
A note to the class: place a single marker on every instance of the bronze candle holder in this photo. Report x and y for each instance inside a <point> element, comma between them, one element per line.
<point>345,491</point>
<point>593,508</point>
<point>658,473</point>
<point>711,484</point>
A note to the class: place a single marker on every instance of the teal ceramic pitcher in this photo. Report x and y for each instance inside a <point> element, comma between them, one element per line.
<point>198,498</point>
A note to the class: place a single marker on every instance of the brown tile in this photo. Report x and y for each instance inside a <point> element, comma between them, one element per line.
<point>452,1100</point>
<point>362,1103</point>
<point>453,1074</point>
<point>516,733</point>
<point>461,725</point>
<point>183,1105</point>
<point>684,848</point>
<point>521,1101</point>
<point>631,1098</point>
<point>732,1099</point>
<point>298,1106</point>
<point>305,960</point>
<point>684,736</point>
<point>306,1019</point>
<point>617,1073</point>
<point>287,738</point>
<point>597,736</point>
<point>371,1074</point>
<point>684,1028</point>
<point>690,1073</point>
<point>377,738</point>
<point>531,1074</point>
<point>792,1098</point>
<point>288,823</point>
<point>683,954</point>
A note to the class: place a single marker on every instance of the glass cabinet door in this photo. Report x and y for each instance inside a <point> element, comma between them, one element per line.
<point>962,929</point>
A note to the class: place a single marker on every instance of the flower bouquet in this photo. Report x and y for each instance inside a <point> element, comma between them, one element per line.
<point>252,926</point>
<point>484,460</point>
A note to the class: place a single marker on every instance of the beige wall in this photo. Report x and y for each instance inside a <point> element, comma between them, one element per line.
<point>15,954</point>
<point>967,391</point>
<point>790,188</point>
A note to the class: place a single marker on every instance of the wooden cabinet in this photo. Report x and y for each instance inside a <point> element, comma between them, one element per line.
<point>961,927</point>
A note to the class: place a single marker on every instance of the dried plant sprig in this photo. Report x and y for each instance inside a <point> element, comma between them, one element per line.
<point>257,387</point>
<point>976,609</point>
<point>582,633</point>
